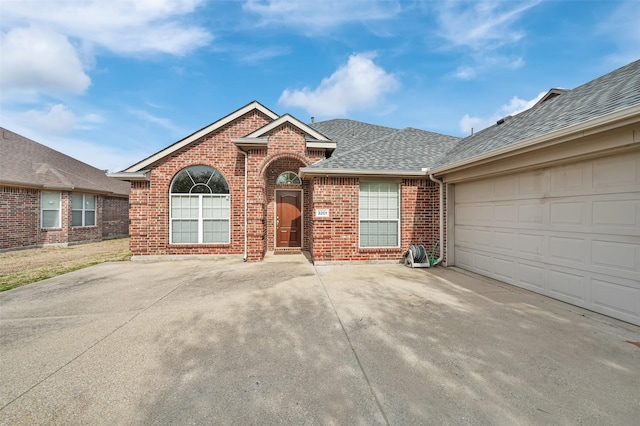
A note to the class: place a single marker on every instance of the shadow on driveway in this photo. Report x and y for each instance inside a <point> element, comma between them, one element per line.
<point>226,342</point>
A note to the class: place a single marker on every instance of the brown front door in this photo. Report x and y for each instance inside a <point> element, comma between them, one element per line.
<point>288,219</point>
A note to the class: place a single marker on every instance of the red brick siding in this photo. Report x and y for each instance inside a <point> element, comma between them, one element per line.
<point>337,237</point>
<point>286,151</point>
<point>19,217</point>
<point>115,217</point>
<point>20,220</point>
<point>149,227</point>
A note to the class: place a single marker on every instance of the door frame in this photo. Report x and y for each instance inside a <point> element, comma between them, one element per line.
<point>275,215</point>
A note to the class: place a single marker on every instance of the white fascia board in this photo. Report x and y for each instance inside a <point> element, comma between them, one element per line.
<point>247,143</point>
<point>585,128</point>
<point>321,144</point>
<point>130,176</point>
<point>200,133</point>
<point>287,118</point>
<point>312,171</point>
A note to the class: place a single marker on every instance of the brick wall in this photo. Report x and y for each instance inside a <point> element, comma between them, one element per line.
<point>20,220</point>
<point>115,217</point>
<point>19,217</point>
<point>286,151</point>
<point>337,237</point>
<point>149,228</point>
<point>334,238</point>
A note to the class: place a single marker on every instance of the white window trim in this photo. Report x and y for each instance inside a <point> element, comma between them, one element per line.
<point>398,220</point>
<point>83,210</point>
<point>200,219</point>
<point>59,210</point>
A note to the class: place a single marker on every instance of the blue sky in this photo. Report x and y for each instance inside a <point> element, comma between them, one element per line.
<point>111,82</point>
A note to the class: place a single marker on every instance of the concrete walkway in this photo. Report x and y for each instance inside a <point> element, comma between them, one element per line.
<point>283,342</point>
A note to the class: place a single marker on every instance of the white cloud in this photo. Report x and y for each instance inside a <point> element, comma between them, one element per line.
<point>123,26</point>
<point>485,62</point>
<point>165,123</point>
<point>483,29</point>
<point>316,16</point>
<point>515,106</point>
<point>622,27</point>
<point>359,84</point>
<point>481,25</point>
<point>55,119</point>
<point>36,59</point>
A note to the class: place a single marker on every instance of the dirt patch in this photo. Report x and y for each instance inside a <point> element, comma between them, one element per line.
<point>26,266</point>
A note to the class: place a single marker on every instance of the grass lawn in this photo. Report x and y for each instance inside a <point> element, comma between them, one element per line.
<point>22,267</point>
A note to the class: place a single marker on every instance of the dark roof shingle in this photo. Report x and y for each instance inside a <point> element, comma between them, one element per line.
<point>363,146</point>
<point>25,162</point>
<point>611,92</point>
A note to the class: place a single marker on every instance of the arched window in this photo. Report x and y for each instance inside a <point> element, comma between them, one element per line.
<point>288,178</point>
<point>200,207</point>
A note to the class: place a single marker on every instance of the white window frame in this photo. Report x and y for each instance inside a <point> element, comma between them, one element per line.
<point>43,209</point>
<point>396,220</point>
<point>200,218</point>
<point>84,210</point>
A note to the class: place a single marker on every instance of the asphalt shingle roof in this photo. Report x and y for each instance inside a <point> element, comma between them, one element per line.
<point>350,134</point>
<point>363,146</point>
<point>611,92</point>
<point>27,163</point>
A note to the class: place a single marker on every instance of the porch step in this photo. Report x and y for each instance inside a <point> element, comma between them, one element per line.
<point>287,256</point>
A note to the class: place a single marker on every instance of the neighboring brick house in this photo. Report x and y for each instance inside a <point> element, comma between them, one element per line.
<point>254,182</point>
<point>48,198</point>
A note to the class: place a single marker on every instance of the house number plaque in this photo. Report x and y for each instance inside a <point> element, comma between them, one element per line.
<point>322,212</point>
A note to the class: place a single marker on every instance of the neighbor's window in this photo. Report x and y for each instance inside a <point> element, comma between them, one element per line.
<point>83,210</point>
<point>200,207</point>
<point>379,214</point>
<point>50,209</point>
<point>288,178</point>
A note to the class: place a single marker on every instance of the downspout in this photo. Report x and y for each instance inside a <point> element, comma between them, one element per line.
<point>246,186</point>
<point>441,185</point>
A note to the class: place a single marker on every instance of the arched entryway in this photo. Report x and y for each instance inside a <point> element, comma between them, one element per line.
<point>285,198</point>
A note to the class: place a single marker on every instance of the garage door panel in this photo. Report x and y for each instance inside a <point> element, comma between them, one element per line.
<point>617,172</point>
<point>464,258</point>
<point>531,214</point>
<point>483,262</point>
<point>532,277</point>
<point>615,255</point>
<point>572,179</point>
<point>570,249</point>
<point>533,184</point>
<point>505,213</point>
<point>504,269</point>
<point>570,232</point>
<point>504,240</point>
<point>616,298</point>
<point>531,244</point>
<point>483,238</point>
<point>505,188</point>
<point>568,213</point>
<point>464,236</point>
<point>567,286</point>
<point>621,214</point>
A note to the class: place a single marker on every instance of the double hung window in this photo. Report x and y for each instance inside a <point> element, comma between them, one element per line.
<point>50,209</point>
<point>379,214</point>
<point>83,210</point>
<point>200,207</point>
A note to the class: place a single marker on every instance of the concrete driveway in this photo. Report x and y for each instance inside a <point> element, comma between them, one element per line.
<point>225,342</point>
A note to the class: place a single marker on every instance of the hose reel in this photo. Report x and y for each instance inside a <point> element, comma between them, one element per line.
<point>418,257</point>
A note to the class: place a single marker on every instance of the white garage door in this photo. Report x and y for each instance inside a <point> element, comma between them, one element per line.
<point>570,232</point>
